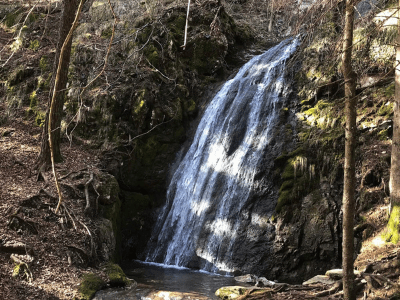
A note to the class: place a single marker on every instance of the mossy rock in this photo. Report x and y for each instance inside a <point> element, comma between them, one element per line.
<point>91,283</point>
<point>108,188</point>
<point>116,275</point>
<point>230,292</point>
<point>112,212</point>
<point>19,75</point>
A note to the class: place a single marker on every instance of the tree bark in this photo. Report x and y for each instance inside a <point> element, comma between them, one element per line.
<point>394,220</point>
<point>271,17</point>
<point>68,16</point>
<point>349,165</point>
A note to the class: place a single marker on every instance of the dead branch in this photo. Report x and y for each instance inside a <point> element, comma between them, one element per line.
<point>80,251</point>
<point>69,215</point>
<point>72,172</point>
<point>92,248</point>
<point>87,193</point>
<point>186,26</point>
<point>97,199</point>
<point>334,289</point>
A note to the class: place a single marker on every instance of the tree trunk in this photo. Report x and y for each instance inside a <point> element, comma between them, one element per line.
<point>349,165</point>
<point>271,18</point>
<point>393,225</point>
<point>70,7</point>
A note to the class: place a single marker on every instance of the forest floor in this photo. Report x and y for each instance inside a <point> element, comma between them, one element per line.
<point>27,217</point>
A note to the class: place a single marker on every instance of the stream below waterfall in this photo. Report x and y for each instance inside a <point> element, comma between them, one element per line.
<point>159,282</point>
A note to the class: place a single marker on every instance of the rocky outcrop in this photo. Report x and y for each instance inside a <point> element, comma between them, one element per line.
<point>139,114</point>
<point>307,238</point>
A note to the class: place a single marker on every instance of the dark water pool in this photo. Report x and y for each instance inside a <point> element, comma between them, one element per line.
<point>158,282</point>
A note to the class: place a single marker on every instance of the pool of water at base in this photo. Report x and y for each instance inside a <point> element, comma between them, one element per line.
<point>159,282</point>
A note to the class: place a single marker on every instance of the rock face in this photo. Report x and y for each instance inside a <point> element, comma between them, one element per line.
<point>307,238</point>
<point>220,199</point>
<point>142,118</point>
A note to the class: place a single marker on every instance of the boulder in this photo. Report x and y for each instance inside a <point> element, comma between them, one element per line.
<point>230,292</point>
<point>337,274</point>
<point>248,278</point>
<point>324,279</point>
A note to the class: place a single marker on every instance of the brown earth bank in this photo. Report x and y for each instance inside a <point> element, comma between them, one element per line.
<point>44,255</point>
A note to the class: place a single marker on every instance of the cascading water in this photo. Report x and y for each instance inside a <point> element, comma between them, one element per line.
<point>219,201</point>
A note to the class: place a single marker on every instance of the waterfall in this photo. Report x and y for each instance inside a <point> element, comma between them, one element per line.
<point>216,203</point>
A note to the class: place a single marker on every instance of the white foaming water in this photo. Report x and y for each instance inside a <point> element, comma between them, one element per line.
<point>205,199</point>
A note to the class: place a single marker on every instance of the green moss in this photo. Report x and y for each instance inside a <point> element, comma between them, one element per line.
<point>17,270</point>
<point>40,118</point>
<point>116,276</point>
<point>390,90</point>
<point>318,109</point>
<point>297,176</point>
<point>32,17</point>
<point>383,135</point>
<point>34,45</point>
<point>33,100</point>
<point>176,25</point>
<point>286,185</point>
<point>152,55</point>
<point>11,19</point>
<point>191,106</point>
<point>91,283</point>
<point>392,231</point>
<point>230,292</point>
<point>149,149</point>
<point>288,172</point>
<point>43,63</point>
<point>140,100</point>
<point>106,33</point>
<point>386,109</point>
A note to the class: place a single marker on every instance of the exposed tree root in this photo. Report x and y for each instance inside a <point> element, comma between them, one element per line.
<point>87,208</point>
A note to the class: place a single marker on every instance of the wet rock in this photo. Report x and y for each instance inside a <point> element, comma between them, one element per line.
<point>262,281</point>
<point>248,278</point>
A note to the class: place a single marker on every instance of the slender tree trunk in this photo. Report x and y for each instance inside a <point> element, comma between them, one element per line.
<point>271,18</point>
<point>68,16</point>
<point>349,165</point>
<point>393,225</point>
